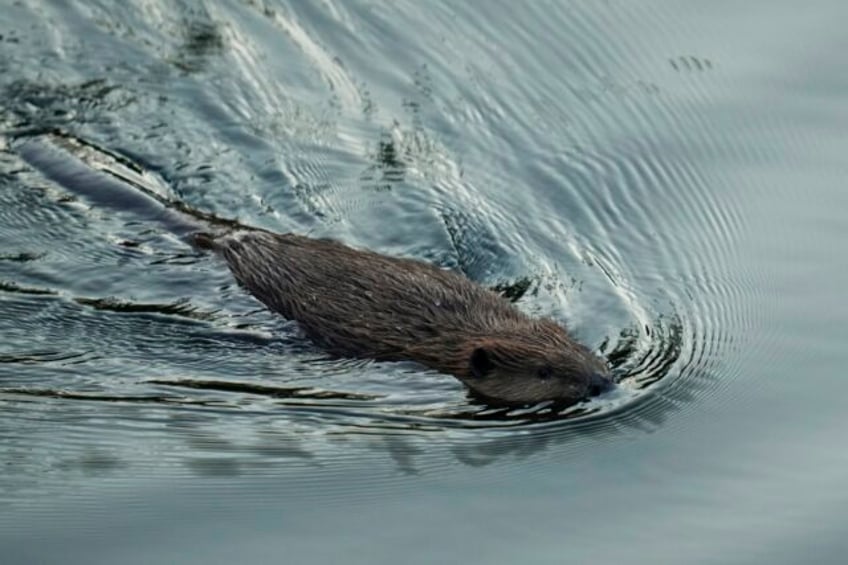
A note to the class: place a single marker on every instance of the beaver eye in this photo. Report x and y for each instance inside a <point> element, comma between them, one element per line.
<point>544,373</point>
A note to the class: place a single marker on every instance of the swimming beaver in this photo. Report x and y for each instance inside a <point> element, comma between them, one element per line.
<point>353,303</point>
<point>357,303</point>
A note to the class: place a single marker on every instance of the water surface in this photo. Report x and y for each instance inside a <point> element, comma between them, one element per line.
<point>666,179</point>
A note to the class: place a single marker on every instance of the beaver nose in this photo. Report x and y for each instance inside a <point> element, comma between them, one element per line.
<point>599,383</point>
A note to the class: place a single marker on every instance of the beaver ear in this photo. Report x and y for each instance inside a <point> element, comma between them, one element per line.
<point>481,363</point>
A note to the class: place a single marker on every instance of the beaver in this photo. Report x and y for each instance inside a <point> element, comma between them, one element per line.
<point>351,302</point>
<point>358,303</point>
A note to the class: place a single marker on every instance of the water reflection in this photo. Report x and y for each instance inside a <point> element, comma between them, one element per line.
<point>203,39</point>
<point>388,168</point>
<point>209,417</point>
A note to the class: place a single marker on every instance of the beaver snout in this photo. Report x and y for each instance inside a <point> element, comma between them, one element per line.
<point>600,383</point>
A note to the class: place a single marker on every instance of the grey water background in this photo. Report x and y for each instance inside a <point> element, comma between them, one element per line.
<point>665,177</point>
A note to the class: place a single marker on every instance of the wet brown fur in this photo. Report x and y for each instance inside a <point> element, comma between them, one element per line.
<point>357,303</point>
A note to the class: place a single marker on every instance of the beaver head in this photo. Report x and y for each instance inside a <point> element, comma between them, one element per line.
<point>526,368</point>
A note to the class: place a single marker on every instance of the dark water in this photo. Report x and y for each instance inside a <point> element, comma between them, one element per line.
<point>665,177</point>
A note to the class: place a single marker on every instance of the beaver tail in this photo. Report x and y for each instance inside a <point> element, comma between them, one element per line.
<point>112,181</point>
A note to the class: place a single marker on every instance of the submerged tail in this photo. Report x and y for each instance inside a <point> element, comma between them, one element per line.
<point>112,181</point>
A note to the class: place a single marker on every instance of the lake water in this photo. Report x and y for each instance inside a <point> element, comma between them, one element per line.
<point>666,177</point>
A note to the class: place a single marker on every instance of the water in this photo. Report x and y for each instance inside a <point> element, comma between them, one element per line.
<point>663,177</point>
